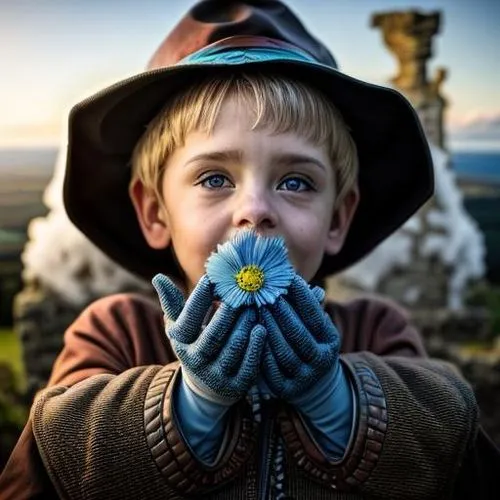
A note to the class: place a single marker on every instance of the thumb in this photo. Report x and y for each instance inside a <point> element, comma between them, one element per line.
<point>171,299</point>
<point>319,293</point>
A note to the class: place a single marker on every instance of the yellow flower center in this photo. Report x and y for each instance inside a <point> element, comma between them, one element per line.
<point>250,278</point>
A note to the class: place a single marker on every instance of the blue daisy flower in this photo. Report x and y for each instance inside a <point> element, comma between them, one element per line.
<point>250,270</point>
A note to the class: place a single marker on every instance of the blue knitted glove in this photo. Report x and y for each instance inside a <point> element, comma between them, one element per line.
<point>301,365</point>
<point>303,343</point>
<point>221,360</point>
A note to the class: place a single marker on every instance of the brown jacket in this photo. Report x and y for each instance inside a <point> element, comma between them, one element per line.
<point>104,427</point>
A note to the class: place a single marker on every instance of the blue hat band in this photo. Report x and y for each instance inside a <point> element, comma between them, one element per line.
<point>231,54</point>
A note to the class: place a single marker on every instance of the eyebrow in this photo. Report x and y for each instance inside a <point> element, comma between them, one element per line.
<point>290,159</point>
<point>232,155</point>
<point>236,156</point>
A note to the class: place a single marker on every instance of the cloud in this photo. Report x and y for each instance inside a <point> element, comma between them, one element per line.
<point>486,126</point>
<point>46,134</point>
<point>479,131</point>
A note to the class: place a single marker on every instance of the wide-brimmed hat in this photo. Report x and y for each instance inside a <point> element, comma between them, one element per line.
<point>216,38</point>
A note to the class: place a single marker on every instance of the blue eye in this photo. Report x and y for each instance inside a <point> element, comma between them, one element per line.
<point>296,184</point>
<point>214,181</point>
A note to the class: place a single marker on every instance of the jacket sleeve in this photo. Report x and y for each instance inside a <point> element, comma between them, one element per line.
<point>117,438</point>
<point>478,476</point>
<point>416,417</point>
<point>105,424</point>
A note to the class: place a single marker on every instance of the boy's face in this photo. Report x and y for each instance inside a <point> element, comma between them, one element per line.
<point>235,178</point>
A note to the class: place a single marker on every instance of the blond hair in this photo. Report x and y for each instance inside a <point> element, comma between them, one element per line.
<point>280,103</point>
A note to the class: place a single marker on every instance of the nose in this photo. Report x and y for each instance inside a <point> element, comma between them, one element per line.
<point>255,209</point>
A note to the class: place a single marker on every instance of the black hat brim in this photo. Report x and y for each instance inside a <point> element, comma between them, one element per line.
<point>395,166</point>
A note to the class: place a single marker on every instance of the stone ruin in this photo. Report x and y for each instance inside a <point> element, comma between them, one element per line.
<point>439,252</point>
<point>408,35</point>
<point>426,266</point>
<point>431,263</point>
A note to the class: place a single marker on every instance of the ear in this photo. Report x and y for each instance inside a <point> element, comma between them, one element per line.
<point>341,222</point>
<point>151,215</point>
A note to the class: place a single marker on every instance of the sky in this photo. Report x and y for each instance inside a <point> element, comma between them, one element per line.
<point>53,53</point>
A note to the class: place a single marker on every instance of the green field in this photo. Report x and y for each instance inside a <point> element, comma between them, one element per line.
<point>10,353</point>
<point>13,408</point>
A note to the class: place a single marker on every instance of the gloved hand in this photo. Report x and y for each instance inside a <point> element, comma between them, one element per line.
<point>301,365</point>
<point>221,360</point>
<point>303,343</point>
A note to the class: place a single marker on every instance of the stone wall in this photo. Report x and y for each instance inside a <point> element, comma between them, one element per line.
<point>409,35</point>
<point>479,362</point>
<point>463,336</point>
<point>41,318</point>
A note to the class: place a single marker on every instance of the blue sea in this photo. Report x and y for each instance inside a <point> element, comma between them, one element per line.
<point>483,166</point>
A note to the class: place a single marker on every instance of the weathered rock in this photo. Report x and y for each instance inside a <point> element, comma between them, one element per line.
<point>408,35</point>
<point>453,327</point>
<point>41,318</point>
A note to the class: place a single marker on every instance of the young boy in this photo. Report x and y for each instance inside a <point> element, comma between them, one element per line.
<point>250,125</point>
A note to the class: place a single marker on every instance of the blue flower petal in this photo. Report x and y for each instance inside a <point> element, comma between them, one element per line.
<point>248,248</point>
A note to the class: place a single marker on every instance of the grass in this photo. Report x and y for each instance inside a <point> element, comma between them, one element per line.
<point>10,353</point>
<point>487,296</point>
<point>13,408</point>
